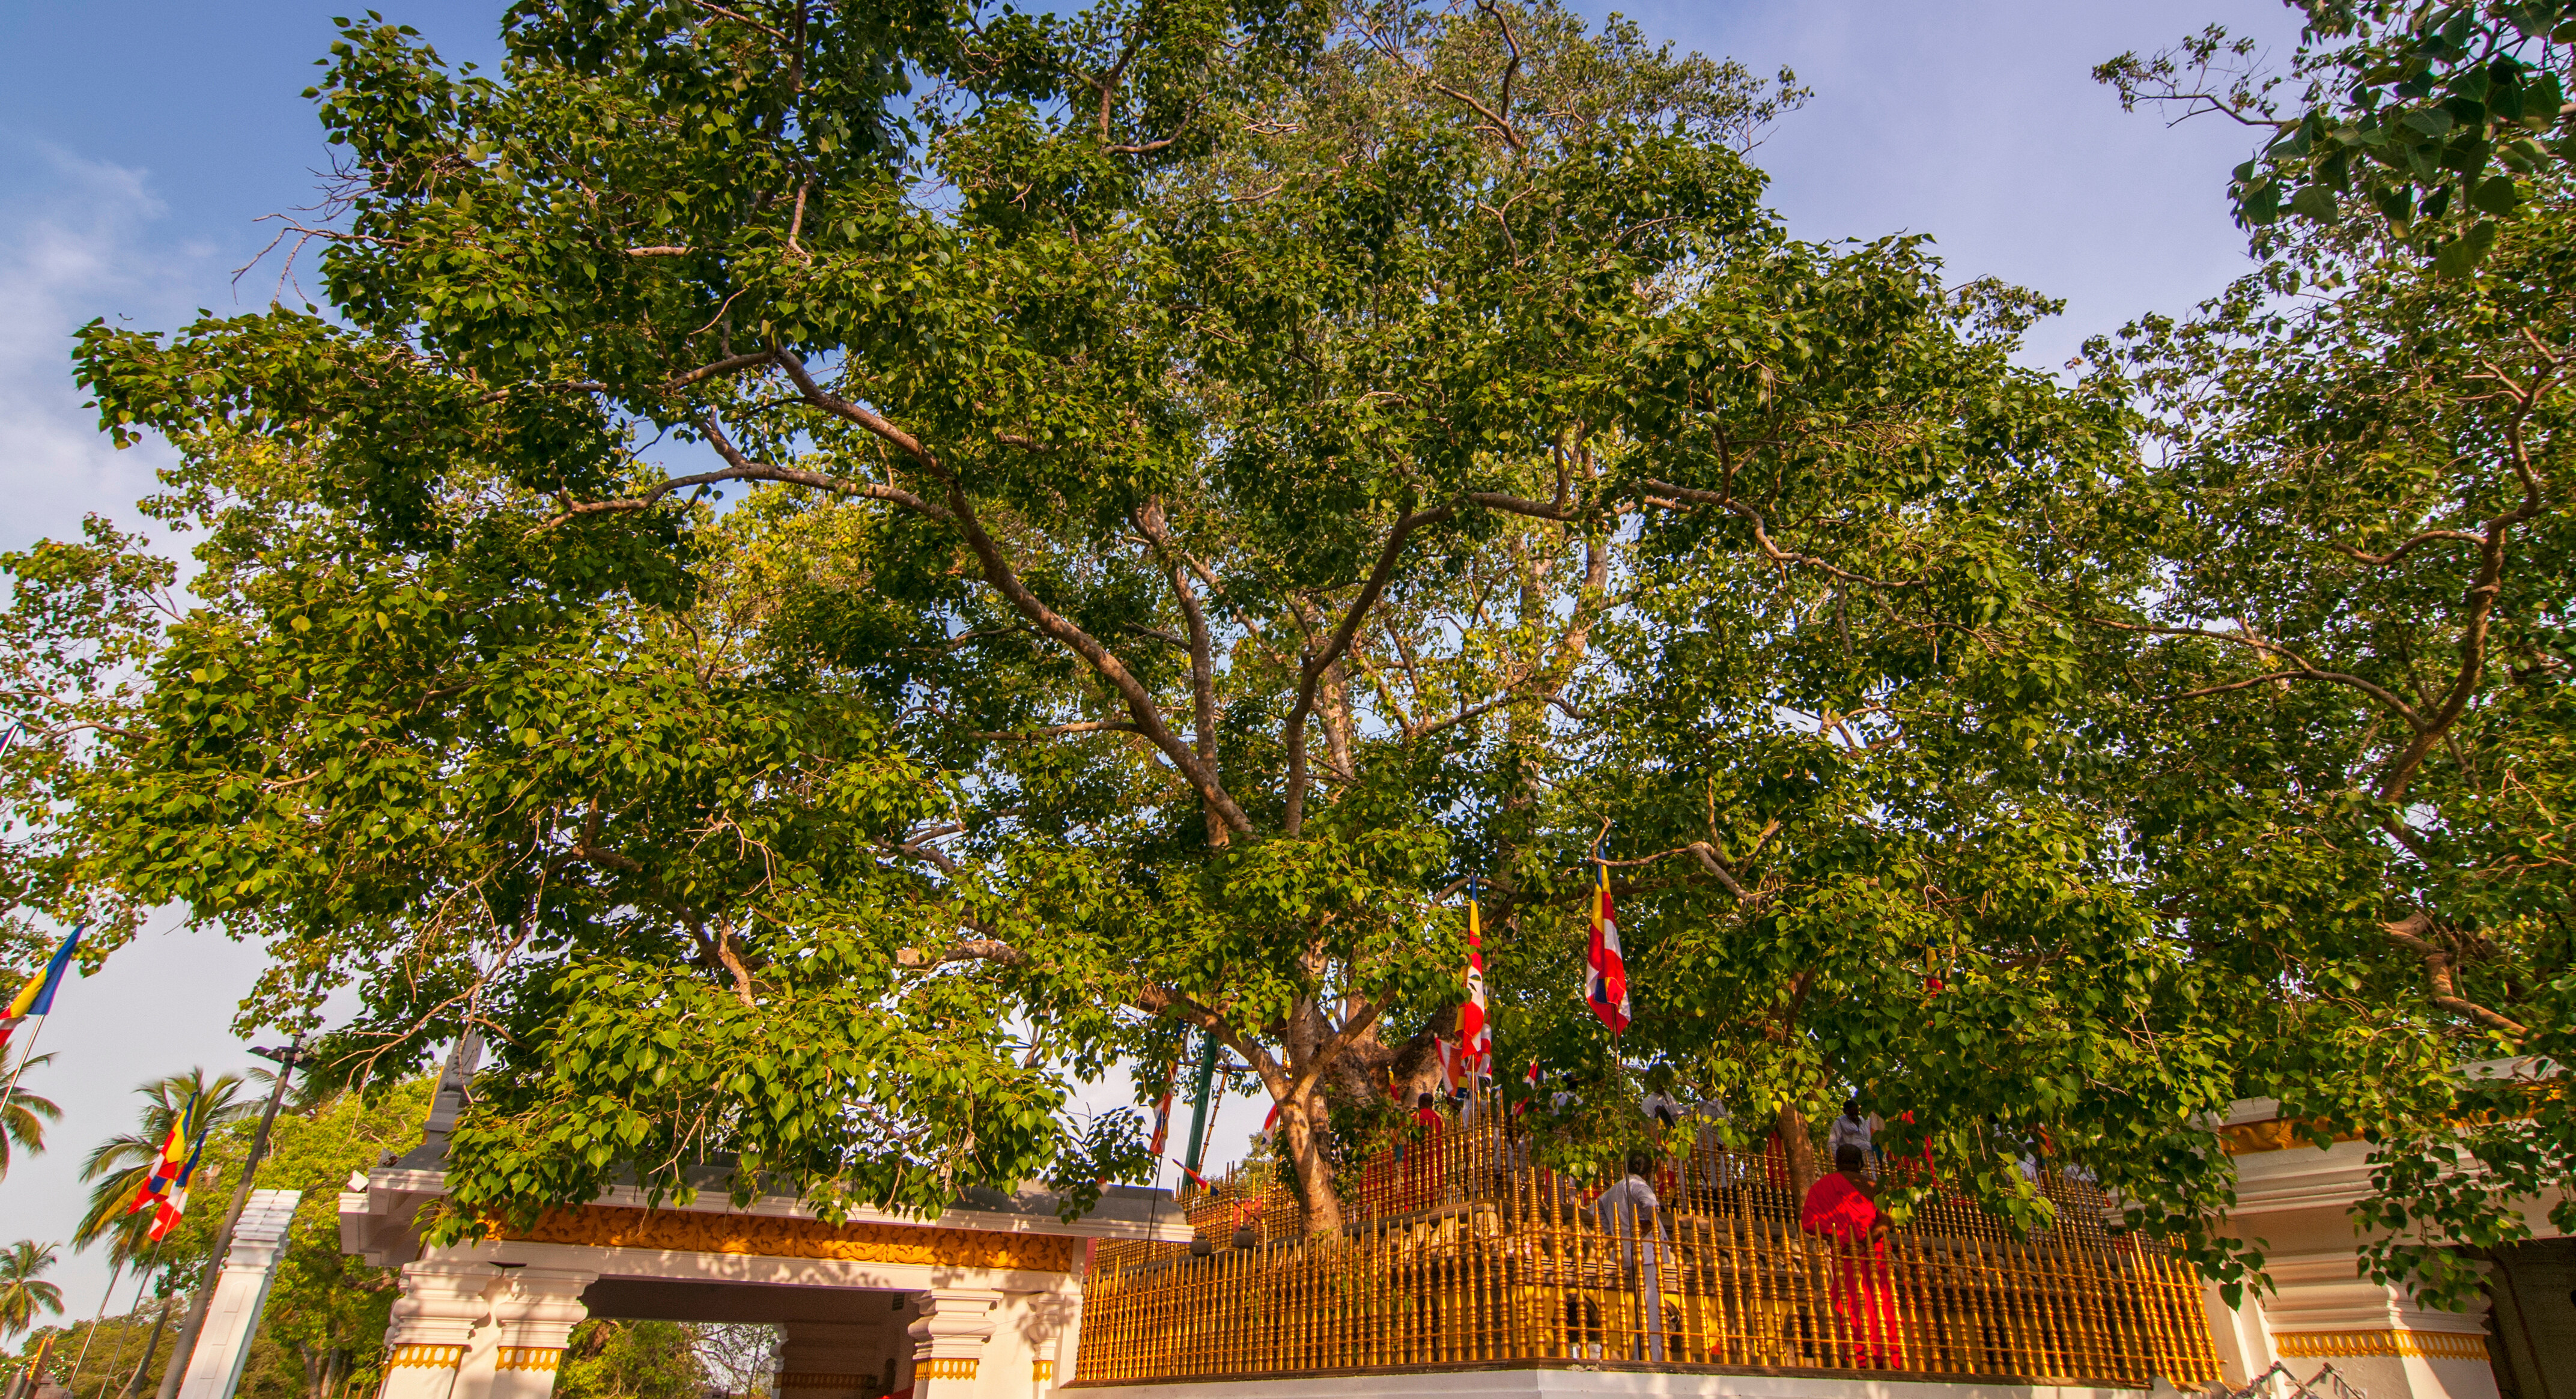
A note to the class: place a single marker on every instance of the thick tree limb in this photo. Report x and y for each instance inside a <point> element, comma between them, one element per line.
<point>839,407</point>
<point>1536,509</point>
<point>991,950</point>
<point>998,571</point>
<point>742,468</point>
<point>2298,669</point>
<point>1088,726</point>
<point>2439,965</point>
<point>1151,523</point>
<point>2383,560</point>
<point>1140,702</point>
<point>1310,670</point>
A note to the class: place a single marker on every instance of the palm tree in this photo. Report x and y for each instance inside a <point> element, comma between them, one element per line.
<point>20,1293</point>
<point>121,1164</point>
<point>24,1115</point>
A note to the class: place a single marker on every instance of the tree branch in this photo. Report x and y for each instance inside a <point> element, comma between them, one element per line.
<point>1151,523</point>
<point>1725,500</point>
<point>839,407</point>
<point>2438,966</point>
<point>1140,703</point>
<point>1310,671</point>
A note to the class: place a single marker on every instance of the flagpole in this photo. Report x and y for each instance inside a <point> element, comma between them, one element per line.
<point>9,1095</point>
<point>142,1280</point>
<point>113,1276</point>
<point>182,1350</point>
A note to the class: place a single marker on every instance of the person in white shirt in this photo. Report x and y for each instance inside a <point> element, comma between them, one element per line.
<point>1848,1128</point>
<point>1630,1212</point>
<point>1711,1162</point>
<point>1664,1108</point>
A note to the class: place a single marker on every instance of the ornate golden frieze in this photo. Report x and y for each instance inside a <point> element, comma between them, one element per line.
<point>2326,1345</point>
<point>527,1358</point>
<point>769,1236</point>
<point>946,1367</point>
<point>421,1357</point>
<point>2248,1138</point>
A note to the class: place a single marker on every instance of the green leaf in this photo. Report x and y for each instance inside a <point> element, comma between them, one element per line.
<point>2496,195</point>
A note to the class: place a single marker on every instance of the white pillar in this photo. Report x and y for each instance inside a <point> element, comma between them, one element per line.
<point>2323,1311</point>
<point>1053,1319</point>
<point>436,1317</point>
<point>948,1340</point>
<point>241,1289</point>
<point>533,1313</point>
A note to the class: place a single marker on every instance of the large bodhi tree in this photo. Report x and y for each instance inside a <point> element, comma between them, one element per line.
<point>1209,480</point>
<point>2336,683</point>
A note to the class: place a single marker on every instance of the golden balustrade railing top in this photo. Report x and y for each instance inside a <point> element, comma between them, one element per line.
<point>1461,1252</point>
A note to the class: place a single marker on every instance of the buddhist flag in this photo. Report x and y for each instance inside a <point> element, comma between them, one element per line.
<point>175,1203</point>
<point>1163,1110</point>
<point>178,1153</point>
<point>1475,1036</point>
<point>37,996</point>
<point>1605,973</point>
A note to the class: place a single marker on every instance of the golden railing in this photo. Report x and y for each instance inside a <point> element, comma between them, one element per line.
<point>1465,1255</point>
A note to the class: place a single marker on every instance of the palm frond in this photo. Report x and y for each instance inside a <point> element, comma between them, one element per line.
<point>23,1115</point>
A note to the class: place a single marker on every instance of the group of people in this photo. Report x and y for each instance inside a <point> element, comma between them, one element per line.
<point>1841,1207</point>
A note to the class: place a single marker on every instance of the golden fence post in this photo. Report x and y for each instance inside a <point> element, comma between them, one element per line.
<point>2100,1300</point>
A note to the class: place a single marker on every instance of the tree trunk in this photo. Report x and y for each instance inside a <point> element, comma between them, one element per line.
<point>317,1370</point>
<point>1305,1129</point>
<point>1800,1150</point>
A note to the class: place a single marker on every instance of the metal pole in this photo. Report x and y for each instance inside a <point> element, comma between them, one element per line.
<point>113,1275</point>
<point>151,1347</point>
<point>26,1052</point>
<point>185,1347</point>
<point>1198,1103</point>
<point>142,1280</point>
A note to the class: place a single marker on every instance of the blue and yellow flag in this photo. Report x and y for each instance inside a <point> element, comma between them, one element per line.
<point>37,996</point>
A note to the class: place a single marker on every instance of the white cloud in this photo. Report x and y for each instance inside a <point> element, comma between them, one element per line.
<point>76,243</point>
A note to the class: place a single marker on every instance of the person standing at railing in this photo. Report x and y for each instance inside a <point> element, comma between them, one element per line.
<point>1630,1212</point>
<point>1713,1164</point>
<point>1849,1129</point>
<point>1843,1207</point>
<point>1661,1105</point>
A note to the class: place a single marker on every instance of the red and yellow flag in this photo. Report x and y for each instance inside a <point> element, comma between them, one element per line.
<point>1605,971</point>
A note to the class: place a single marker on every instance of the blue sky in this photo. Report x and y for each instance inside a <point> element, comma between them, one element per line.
<point>140,142</point>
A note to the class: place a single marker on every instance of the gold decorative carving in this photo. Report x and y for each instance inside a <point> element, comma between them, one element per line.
<point>945,1367</point>
<point>1042,1371</point>
<point>526,1358</point>
<point>692,1231</point>
<point>2248,1138</point>
<point>420,1357</point>
<point>2323,1345</point>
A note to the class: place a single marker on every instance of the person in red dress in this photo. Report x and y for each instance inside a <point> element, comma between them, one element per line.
<point>1422,1173</point>
<point>1842,1207</point>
